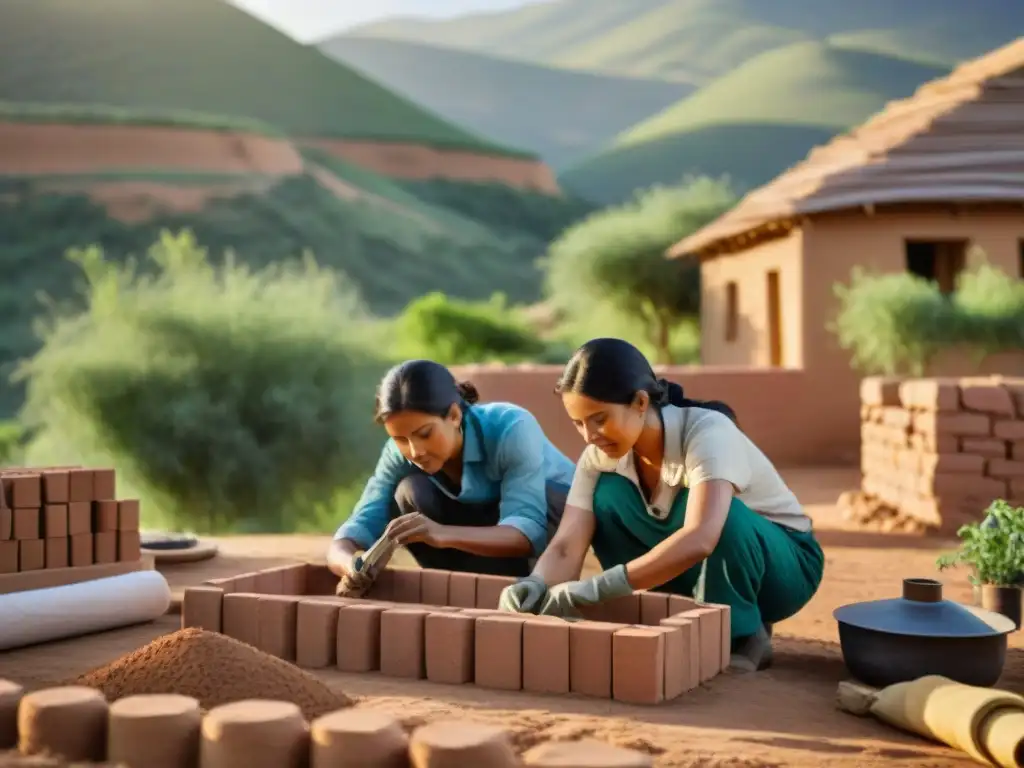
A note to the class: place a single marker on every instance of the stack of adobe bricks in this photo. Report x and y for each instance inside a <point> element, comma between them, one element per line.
<point>936,452</point>
<point>61,519</point>
<point>76,725</point>
<point>442,626</point>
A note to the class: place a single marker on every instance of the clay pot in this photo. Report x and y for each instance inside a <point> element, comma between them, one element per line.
<point>1004,600</point>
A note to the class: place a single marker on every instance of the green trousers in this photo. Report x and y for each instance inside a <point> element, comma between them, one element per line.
<point>764,571</point>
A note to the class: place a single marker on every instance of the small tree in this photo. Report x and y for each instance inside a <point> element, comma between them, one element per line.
<point>616,258</point>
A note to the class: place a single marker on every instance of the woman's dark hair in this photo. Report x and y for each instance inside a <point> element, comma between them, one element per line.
<point>613,371</point>
<point>424,386</point>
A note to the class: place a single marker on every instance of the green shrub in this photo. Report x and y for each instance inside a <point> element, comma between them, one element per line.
<point>11,436</point>
<point>615,260</point>
<point>452,331</point>
<point>227,398</point>
<point>897,323</point>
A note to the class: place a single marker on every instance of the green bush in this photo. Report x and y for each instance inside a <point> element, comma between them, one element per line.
<point>897,323</point>
<point>615,261</point>
<point>11,436</point>
<point>452,331</point>
<point>993,549</point>
<point>228,399</point>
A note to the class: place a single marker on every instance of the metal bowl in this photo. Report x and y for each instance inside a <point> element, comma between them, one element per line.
<point>898,640</point>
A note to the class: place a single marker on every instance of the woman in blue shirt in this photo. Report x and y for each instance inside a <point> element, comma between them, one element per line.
<point>464,487</point>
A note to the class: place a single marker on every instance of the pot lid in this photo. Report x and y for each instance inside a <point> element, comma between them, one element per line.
<point>922,612</point>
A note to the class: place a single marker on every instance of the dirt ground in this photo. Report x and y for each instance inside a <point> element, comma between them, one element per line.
<point>781,717</point>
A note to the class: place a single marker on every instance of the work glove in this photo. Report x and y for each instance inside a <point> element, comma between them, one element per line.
<point>524,596</point>
<point>566,599</point>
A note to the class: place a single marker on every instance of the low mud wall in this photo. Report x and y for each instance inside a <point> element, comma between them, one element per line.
<point>414,161</point>
<point>794,419</point>
<point>41,149</point>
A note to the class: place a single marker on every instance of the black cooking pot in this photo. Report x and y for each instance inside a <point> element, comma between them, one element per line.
<point>902,639</point>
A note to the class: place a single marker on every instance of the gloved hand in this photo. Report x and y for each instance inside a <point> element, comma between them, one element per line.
<point>566,599</point>
<point>524,596</point>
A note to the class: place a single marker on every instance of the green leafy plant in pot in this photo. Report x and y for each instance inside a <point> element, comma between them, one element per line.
<point>994,550</point>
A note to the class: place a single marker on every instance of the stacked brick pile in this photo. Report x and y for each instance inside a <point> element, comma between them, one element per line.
<point>64,518</point>
<point>936,452</point>
<point>645,648</point>
<point>77,725</point>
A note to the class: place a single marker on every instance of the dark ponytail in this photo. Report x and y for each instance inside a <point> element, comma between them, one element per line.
<point>423,386</point>
<point>613,371</point>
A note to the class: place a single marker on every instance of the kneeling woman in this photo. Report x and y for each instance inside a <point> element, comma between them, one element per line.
<point>666,491</point>
<point>463,487</point>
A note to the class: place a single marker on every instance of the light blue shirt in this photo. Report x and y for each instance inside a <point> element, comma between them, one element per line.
<point>508,459</point>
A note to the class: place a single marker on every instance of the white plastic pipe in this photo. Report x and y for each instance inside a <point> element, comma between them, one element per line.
<point>41,615</point>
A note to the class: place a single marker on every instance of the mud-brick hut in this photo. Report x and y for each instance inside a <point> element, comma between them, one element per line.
<point>925,186</point>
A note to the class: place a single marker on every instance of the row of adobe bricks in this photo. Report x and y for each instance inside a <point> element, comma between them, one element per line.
<point>667,645</point>
<point>77,724</point>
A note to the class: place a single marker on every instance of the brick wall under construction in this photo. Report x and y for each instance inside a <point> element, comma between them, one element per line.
<point>936,452</point>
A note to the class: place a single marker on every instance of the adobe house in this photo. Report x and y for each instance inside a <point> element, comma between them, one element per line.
<point>922,187</point>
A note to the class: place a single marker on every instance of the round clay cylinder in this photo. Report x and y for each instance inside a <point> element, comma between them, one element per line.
<point>453,744</point>
<point>154,731</point>
<point>69,722</point>
<point>10,698</point>
<point>254,734</point>
<point>357,738</point>
<point>586,753</point>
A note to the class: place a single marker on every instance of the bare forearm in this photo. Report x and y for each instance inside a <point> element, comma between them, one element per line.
<point>669,559</point>
<point>340,554</point>
<point>562,561</point>
<point>487,541</point>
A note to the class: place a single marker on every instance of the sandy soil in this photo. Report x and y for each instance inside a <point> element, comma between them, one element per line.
<point>782,717</point>
<point>28,148</point>
<point>412,161</point>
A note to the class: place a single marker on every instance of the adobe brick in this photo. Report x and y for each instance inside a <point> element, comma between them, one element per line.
<point>434,587</point>
<point>962,487</point>
<point>498,654</point>
<point>31,555</point>
<point>880,390</point>
<point>80,549</point>
<point>56,552</point>
<point>621,610</point>
<point>545,655</point>
<point>489,589</point>
<point>653,608</point>
<point>201,607</point>
<point>1017,450</point>
<point>358,738</point>
<point>316,634</point>
<point>54,484</point>
<point>449,647</point>
<point>104,547</point>
<point>690,630</point>
<point>1005,469</point>
<point>930,394</point>
<point>934,443</point>
<point>985,447</point>
<point>951,463</point>
<point>955,424</point>
<point>241,617</point>
<point>456,743</point>
<point>358,648</point>
<point>278,615</point>
<point>462,590</point>
<point>677,661</point>
<point>585,753</point>
<point>402,643</point>
<point>987,398</point>
<point>638,665</point>
<point>1008,430</point>
<point>709,626</point>
<point>405,585</point>
<point>590,658</point>
<point>26,524</point>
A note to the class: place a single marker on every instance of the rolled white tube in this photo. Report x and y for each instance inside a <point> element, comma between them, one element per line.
<point>41,615</point>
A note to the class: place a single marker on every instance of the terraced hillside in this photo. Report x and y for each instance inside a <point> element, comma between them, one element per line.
<point>560,114</point>
<point>200,56</point>
<point>752,123</point>
<point>698,40</point>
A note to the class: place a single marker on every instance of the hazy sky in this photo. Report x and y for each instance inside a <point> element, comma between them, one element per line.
<point>305,19</point>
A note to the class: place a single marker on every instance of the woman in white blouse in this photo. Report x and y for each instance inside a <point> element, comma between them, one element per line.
<point>666,488</point>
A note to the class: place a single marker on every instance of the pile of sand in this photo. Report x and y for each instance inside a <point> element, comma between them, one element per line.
<point>14,760</point>
<point>214,669</point>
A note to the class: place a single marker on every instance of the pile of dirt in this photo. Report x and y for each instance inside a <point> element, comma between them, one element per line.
<point>871,514</point>
<point>214,669</point>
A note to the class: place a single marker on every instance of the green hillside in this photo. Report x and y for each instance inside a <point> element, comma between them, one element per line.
<point>698,40</point>
<point>199,56</point>
<point>752,123</point>
<point>559,114</point>
<point>394,240</point>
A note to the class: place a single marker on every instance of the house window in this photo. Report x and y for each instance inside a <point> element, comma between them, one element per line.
<point>732,311</point>
<point>940,261</point>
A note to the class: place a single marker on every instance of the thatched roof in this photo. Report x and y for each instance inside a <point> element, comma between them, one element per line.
<point>957,139</point>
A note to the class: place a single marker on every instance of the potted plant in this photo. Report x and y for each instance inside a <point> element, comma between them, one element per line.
<point>994,550</point>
